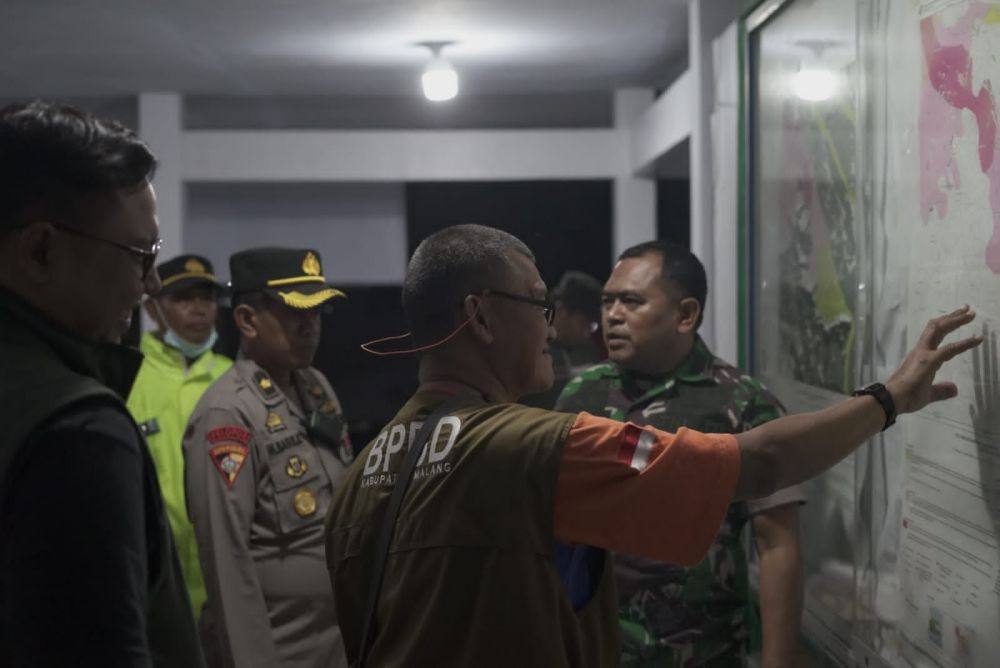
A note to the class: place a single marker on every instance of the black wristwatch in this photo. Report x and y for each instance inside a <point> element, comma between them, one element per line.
<point>881,394</point>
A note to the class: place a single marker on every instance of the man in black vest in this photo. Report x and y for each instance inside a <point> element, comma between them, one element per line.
<point>88,571</point>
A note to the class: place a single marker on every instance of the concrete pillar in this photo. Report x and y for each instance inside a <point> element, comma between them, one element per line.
<point>634,197</point>
<point>724,283</point>
<point>700,67</point>
<point>160,127</point>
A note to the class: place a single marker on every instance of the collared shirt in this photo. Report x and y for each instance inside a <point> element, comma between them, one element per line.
<point>260,472</point>
<point>685,614</point>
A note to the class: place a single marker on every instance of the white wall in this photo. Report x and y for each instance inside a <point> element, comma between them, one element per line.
<point>359,229</point>
<point>666,123</point>
<point>635,197</point>
<point>417,155</point>
<point>724,282</point>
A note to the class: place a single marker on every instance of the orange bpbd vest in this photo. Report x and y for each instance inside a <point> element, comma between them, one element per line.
<point>471,578</point>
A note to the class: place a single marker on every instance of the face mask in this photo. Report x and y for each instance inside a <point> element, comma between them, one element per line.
<point>188,349</point>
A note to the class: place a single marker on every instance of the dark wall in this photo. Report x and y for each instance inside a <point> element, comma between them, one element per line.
<point>370,388</point>
<point>567,224</point>
<point>673,211</point>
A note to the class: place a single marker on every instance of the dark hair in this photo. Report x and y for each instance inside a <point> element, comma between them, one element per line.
<point>579,293</point>
<point>680,267</point>
<point>447,266</point>
<point>53,158</point>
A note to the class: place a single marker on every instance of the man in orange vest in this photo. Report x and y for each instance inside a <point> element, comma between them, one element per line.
<point>471,577</point>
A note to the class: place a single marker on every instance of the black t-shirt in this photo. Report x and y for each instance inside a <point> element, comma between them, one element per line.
<point>78,535</point>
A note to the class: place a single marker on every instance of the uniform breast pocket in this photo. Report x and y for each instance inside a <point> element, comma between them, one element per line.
<point>301,489</point>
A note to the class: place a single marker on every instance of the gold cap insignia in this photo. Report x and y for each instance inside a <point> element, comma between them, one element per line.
<point>265,383</point>
<point>310,264</point>
<point>328,406</point>
<point>296,468</point>
<point>194,266</point>
<point>305,502</point>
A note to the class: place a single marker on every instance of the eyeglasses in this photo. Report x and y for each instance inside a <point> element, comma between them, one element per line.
<point>548,308</point>
<point>146,258</point>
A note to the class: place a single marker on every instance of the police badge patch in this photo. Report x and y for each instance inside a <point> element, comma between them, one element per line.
<point>229,450</point>
<point>229,459</point>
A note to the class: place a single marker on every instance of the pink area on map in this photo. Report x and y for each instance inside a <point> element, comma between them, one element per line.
<point>948,90</point>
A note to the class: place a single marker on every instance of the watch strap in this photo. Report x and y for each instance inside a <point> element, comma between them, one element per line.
<point>883,397</point>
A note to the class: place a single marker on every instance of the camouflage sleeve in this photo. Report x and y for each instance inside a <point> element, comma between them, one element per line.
<point>760,407</point>
<point>569,398</point>
<point>588,391</point>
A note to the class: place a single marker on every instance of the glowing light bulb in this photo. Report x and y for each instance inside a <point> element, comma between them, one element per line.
<point>440,80</point>
<point>814,85</point>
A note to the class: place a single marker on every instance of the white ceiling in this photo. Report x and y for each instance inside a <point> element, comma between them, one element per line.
<point>334,47</point>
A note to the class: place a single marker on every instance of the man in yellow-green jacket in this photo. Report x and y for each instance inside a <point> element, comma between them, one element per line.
<point>179,366</point>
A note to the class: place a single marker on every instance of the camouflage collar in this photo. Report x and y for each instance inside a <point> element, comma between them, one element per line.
<point>696,367</point>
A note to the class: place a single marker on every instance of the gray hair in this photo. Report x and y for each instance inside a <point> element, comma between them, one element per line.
<point>448,265</point>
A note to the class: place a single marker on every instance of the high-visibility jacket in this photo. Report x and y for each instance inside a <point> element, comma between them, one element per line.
<point>162,399</point>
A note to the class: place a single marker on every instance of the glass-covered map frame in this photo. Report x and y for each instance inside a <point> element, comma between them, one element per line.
<point>807,271</point>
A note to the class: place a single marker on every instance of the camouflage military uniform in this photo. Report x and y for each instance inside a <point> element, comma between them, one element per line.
<point>672,616</point>
<point>567,362</point>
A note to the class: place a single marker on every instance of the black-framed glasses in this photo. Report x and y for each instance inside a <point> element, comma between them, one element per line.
<point>548,308</point>
<point>146,257</point>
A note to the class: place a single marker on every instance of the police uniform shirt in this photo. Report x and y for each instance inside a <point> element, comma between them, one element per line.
<point>259,475</point>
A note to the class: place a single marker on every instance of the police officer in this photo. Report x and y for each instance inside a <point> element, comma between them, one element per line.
<point>265,449</point>
<point>177,367</point>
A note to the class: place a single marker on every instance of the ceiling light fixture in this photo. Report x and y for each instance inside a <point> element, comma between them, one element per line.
<point>440,80</point>
<point>816,79</point>
<point>814,84</point>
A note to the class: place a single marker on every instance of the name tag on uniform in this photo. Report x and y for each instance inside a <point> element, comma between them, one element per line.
<point>150,427</point>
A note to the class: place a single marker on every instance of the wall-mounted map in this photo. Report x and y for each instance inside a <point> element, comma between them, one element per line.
<point>876,191</point>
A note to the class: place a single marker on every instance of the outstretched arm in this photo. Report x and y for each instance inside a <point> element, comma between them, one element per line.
<point>792,449</point>
<point>609,468</point>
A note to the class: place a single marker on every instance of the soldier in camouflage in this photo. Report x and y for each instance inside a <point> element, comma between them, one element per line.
<point>577,298</point>
<point>662,374</point>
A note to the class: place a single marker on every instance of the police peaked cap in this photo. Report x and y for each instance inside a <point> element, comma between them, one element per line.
<point>290,276</point>
<point>186,271</point>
